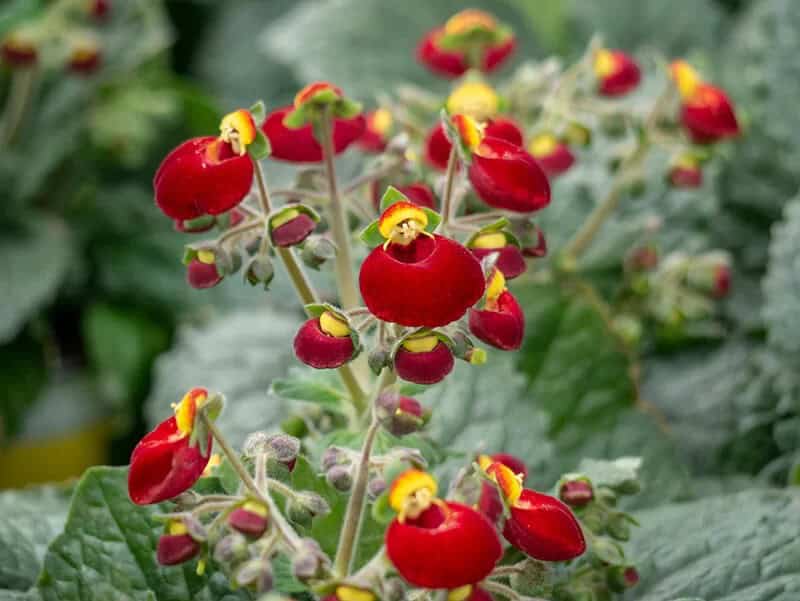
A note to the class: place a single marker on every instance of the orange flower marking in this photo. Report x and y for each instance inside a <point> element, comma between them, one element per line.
<point>345,592</point>
<point>510,484</point>
<point>402,222</point>
<point>686,78</point>
<point>495,286</point>
<point>543,145</point>
<point>411,493</point>
<point>471,133</point>
<point>380,121</point>
<point>308,93</point>
<point>186,410</point>
<point>239,130</point>
<point>469,20</point>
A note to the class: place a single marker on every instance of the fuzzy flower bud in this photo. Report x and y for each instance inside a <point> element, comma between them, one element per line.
<point>340,477</point>
<point>576,493</point>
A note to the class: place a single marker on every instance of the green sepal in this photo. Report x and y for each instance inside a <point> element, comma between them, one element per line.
<point>390,197</point>
<point>382,512</point>
<point>322,97</point>
<point>199,223</point>
<point>297,118</point>
<point>260,148</point>
<point>214,406</point>
<point>371,236</point>
<point>492,228</point>
<point>190,250</point>
<point>477,36</point>
<point>258,112</point>
<point>347,109</point>
<point>434,219</point>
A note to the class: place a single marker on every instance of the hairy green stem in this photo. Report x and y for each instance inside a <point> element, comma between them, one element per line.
<point>17,102</point>
<point>372,176</point>
<point>345,280</point>
<point>354,514</point>
<point>450,178</point>
<point>290,536</point>
<point>305,290</point>
<point>587,232</point>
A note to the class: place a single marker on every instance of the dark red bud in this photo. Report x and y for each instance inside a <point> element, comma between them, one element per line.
<point>501,325</point>
<point>722,281</point>
<point>250,519</point>
<point>202,275</point>
<point>400,415</point>
<point>320,350</point>
<point>576,493</point>
<point>426,367</point>
<point>85,60</point>
<point>174,549</point>
<point>99,9</point>
<point>293,231</point>
<point>682,176</point>
<point>18,51</point>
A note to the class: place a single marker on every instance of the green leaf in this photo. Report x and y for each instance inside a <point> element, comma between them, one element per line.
<point>238,355</point>
<point>23,374</point>
<point>371,236</point>
<point>325,529</point>
<point>258,111</point>
<point>107,551</point>
<point>35,262</point>
<point>434,219</point>
<point>122,344</point>
<point>310,386</point>
<point>29,520</point>
<point>296,119</point>
<point>742,547</point>
<point>391,196</point>
<point>347,109</point>
<point>260,147</point>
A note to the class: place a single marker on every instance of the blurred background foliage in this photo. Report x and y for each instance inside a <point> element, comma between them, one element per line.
<point>94,290</point>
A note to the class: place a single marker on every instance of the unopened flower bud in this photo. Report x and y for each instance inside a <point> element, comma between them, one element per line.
<point>313,503</point>
<point>250,519</point>
<point>256,573</point>
<point>378,359</point>
<point>202,272</point>
<point>530,579</point>
<point>19,50</point>
<point>400,415</point>
<point>339,477</point>
<point>629,328</point>
<point>85,58</point>
<point>317,250</point>
<point>620,578</point>
<point>394,590</point>
<point>230,548</point>
<point>376,487</point>
<point>284,448</point>
<point>295,426</point>
<point>176,546</point>
<point>308,560</point>
<point>334,456</point>
<point>642,258</point>
<point>291,226</point>
<point>618,527</point>
<point>259,270</point>
<point>576,493</point>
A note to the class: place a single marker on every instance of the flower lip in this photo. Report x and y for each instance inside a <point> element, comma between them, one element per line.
<point>469,20</point>
<point>316,90</point>
<point>411,493</point>
<point>510,484</point>
<point>617,73</point>
<point>475,99</point>
<point>685,77</point>
<point>186,409</point>
<point>470,131</point>
<point>402,222</point>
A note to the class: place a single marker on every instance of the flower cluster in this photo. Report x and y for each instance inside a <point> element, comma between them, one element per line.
<point>67,29</point>
<point>444,211</point>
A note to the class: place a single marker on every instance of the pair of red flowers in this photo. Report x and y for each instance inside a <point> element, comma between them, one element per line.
<point>440,544</point>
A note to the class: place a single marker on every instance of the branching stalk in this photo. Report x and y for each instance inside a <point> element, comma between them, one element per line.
<point>450,177</point>
<point>17,102</point>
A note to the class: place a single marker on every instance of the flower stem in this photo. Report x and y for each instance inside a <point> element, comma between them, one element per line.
<point>305,290</point>
<point>17,102</point>
<point>584,236</point>
<point>372,176</point>
<point>450,178</point>
<point>345,281</point>
<point>355,506</point>
<point>288,533</point>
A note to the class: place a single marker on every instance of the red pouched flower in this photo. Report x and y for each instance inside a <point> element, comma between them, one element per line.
<point>176,546</point>
<point>325,342</point>
<point>501,322</point>
<point>446,50</point>
<point>298,145</point>
<point>437,146</point>
<point>552,154</point>
<point>202,272</point>
<point>377,131</point>
<point>85,59</point>
<point>416,278</point>
<point>251,518</point>
<point>17,50</point>
<point>207,176</point>
<point>490,504</point>
<point>685,173</point>
<point>163,464</point>
<point>509,256</point>
<point>291,226</point>
<point>505,176</point>
<point>616,72</point>
<point>423,359</point>
<point>438,544</point>
<point>539,525</point>
<point>706,111</point>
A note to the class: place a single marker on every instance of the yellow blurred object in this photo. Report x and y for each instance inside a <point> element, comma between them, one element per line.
<point>54,459</point>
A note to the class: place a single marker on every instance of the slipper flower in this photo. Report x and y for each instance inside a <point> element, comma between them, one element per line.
<point>376,132</point>
<point>504,175</point>
<point>490,504</point>
<point>18,50</point>
<point>437,146</point>
<point>202,272</point>
<point>423,359</point>
<point>469,39</point>
<point>176,546</point>
<point>416,278</point>
<point>685,173</point>
<point>437,544</point>
<point>163,464</point>
<point>85,59</point>
<point>325,342</point>
<point>500,323</point>
<point>616,72</point>
<point>298,144</point>
<point>251,518</point>
<point>208,176</point>
<point>539,525</point>
<point>509,256</point>
<point>553,155</point>
<point>706,111</point>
